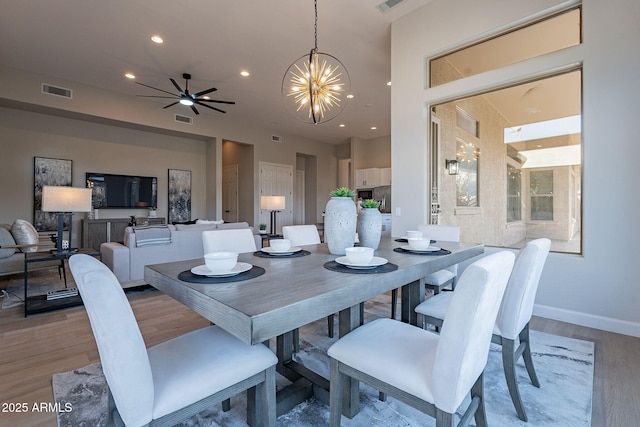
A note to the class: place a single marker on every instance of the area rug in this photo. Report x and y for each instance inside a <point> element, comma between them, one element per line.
<point>40,282</point>
<point>564,367</point>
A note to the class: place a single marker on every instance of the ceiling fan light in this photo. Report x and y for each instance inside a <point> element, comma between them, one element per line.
<point>187,102</point>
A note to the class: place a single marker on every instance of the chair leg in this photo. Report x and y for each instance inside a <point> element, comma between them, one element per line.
<point>444,419</point>
<point>509,365</point>
<point>361,313</point>
<point>394,303</point>
<point>330,325</point>
<point>477,391</point>
<point>335,395</point>
<point>526,355</point>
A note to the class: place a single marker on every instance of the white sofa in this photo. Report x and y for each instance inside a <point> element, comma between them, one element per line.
<point>127,260</point>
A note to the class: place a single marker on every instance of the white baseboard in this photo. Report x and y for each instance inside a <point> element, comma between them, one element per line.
<point>589,320</point>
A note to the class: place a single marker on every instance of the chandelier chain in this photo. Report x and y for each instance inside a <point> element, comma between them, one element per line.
<point>315,27</point>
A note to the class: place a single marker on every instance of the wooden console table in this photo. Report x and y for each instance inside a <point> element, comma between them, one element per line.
<point>97,231</point>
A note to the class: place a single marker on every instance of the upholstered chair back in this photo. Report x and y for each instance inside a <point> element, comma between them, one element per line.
<point>448,233</point>
<point>301,235</point>
<point>465,336</point>
<point>122,350</point>
<point>517,304</point>
<point>234,240</point>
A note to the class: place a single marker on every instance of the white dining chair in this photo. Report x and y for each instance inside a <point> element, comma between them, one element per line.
<point>178,378</point>
<point>239,240</point>
<point>433,373</point>
<point>512,322</point>
<point>440,279</point>
<point>301,235</point>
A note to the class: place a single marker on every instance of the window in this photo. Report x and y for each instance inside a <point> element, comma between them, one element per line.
<point>526,122</point>
<point>541,193</point>
<point>514,198</point>
<point>467,178</point>
<point>544,36</point>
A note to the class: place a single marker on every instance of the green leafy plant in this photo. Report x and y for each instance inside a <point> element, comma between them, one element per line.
<point>263,226</point>
<point>370,204</point>
<point>342,192</point>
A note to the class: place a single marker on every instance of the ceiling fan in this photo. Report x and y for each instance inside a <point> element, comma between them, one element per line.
<point>186,98</point>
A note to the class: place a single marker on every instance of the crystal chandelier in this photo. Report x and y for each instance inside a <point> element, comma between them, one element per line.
<point>313,86</point>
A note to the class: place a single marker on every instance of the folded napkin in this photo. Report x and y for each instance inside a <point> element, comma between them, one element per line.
<point>152,235</point>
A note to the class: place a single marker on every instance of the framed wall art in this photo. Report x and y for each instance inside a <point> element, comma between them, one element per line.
<point>179,196</point>
<point>48,171</point>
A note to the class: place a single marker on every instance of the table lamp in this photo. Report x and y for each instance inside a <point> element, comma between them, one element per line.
<point>65,201</point>
<point>273,204</point>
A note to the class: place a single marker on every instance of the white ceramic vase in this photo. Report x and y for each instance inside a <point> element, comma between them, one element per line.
<point>340,218</point>
<point>370,227</point>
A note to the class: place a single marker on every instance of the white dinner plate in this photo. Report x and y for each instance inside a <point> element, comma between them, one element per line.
<point>240,267</point>
<point>429,249</point>
<point>293,249</point>
<point>375,262</point>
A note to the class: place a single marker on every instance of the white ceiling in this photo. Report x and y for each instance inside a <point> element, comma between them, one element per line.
<point>96,42</point>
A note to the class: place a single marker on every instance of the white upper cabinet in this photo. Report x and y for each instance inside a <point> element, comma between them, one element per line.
<point>367,178</point>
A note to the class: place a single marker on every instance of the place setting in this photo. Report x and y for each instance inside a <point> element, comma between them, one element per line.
<point>221,267</point>
<point>281,248</point>
<point>421,246</point>
<point>411,234</point>
<point>360,260</point>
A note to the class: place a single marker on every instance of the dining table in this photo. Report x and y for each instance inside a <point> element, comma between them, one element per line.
<point>277,294</point>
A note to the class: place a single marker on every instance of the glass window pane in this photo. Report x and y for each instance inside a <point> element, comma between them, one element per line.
<point>488,204</point>
<point>548,35</point>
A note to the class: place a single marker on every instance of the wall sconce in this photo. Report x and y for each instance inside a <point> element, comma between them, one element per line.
<point>452,166</point>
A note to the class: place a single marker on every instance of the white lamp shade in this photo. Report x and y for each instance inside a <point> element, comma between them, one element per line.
<point>272,203</point>
<point>66,199</point>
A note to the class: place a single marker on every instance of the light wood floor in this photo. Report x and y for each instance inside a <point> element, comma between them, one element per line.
<point>33,349</point>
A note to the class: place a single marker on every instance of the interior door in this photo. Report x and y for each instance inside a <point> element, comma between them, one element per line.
<point>299,198</point>
<point>230,193</point>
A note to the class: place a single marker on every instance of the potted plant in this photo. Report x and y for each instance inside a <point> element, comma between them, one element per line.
<point>262,228</point>
<point>340,220</point>
<point>153,211</point>
<point>370,224</point>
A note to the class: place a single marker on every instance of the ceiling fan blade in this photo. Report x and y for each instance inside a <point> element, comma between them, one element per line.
<point>157,96</point>
<point>177,87</point>
<point>193,107</point>
<point>209,106</point>
<point>216,100</point>
<point>204,92</point>
<point>151,87</point>
<point>171,105</point>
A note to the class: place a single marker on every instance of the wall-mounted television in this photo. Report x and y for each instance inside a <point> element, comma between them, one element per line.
<point>122,191</point>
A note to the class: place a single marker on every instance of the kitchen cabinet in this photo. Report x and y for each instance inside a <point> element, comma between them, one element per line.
<point>367,178</point>
<point>385,176</point>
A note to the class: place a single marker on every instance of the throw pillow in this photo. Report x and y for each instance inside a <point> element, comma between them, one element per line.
<point>206,221</point>
<point>25,234</point>
<point>6,239</point>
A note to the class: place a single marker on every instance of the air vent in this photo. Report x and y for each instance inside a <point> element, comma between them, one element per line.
<point>276,138</point>
<point>57,91</point>
<point>184,119</point>
<point>384,7</point>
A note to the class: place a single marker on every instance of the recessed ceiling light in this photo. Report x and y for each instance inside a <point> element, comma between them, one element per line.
<point>206,97</point>
<point>350,96</point>
<point>373,128</point>
<point>388,83</point>
<point>157,39</point>
<point>244,73</point>
<point>342,125</point>
<point>130,76</point>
